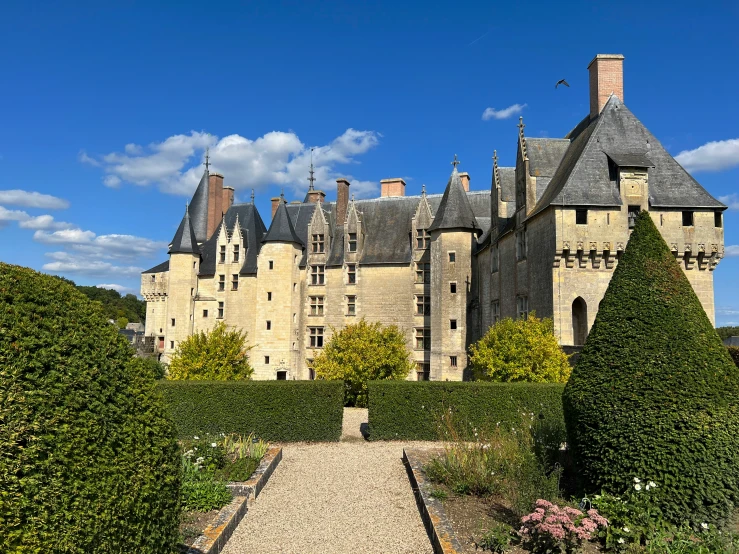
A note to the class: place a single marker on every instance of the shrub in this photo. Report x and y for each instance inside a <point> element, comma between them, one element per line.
<point>734,353</point>
<point>550,528</point>
<point>150,367</point>
<point>218,355</point>
<point>520,350</point>
<point>411,410</point>
<point>88,459</point>
<point>273,410</point>
<point>361,353</point>
<point>655,394</point>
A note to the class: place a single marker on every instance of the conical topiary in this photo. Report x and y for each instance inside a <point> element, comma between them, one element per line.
<point>654,394</point>
<point>89,462</point>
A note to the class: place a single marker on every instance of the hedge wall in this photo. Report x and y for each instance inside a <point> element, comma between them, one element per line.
<point>273,410</point>
<point>410,410</point>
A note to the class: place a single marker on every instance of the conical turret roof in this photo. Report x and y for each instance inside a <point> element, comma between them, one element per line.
<point>184,241</point>
<point>199,209</point>
<point>454,210</point>
<point>282,229</point>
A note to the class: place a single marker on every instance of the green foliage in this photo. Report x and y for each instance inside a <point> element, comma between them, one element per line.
<point>497,539</point>
<point>439,494</point>
<point>201,491</point>
<point>361,353</point>
<point>282,411</point>
<point>726,332</point>
<point>410,410</point>
<point>114,305</point>
<point>734,353</point>
<point>150,367</point>
<point>238,470</point>
<point>520,350</point>
<point>218,355</point>
<point>655,394</point>
<point>88,458</point>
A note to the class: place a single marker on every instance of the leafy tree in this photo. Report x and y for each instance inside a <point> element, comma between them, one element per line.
<point>360,353</point>
<point>726,332</point>
<point>520,350</point>
<point>122,322</point>
<point>218,355</point>
<point>734,353</point>
<point>655,394</point>
<point>89,462</point>
<point>116,306</point>
<point>150,367</point>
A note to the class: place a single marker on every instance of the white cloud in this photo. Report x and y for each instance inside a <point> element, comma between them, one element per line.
<point>64,236</point>
<point>6,216</point>
<point>66,263</point>
<point>112,246</point>
<point>118,288</point>
<point>87,159</point>
<point>44,222</point>
<point>28,199</point>
<point>277,158</point>
<point>731,250</point>
<point>505,113</point>
<point>731,200</point>
<point>712,156</point>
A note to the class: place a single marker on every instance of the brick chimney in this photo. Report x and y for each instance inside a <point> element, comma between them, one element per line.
<point>314,196</point>
<point>215,201</point>
<point>606,77</point>
<point>392,187</point>
<point>342,200</point>
<point>275,205</point>
<point>465,178</point>
<point>228,198</point>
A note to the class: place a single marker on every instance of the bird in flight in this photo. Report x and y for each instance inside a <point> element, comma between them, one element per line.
<point>562,82</point>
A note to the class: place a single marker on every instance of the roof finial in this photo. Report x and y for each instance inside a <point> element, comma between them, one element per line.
<point>423,189</point>
<point>456,162</point>
<point>282,193</point>
<point>522,137</point>
<point>252,196</point>
<point>311,179</point>
<point>207,158</point>
<point>352,197</point>
<point>521,124</point>
<point>495,158</point>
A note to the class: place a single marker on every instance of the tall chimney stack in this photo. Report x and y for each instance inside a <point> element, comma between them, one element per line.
<point>228,198</point>
<point>342,200</point>
<point>275,205</point>
<point>215,202</point>
<point>392,187</point>
<point>465,178</point>
<point>606,77</point>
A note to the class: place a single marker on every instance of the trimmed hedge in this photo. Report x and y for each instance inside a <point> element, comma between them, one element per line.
<point>734,353</point>
<point>655,394</point>
<point>410,410</point>
<point>282,411</point>
<point>89,461</point>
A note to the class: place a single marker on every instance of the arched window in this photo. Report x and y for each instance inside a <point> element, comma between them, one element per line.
<point>579,321</point>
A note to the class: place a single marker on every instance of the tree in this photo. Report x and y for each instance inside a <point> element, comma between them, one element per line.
<point>726,332</point>
<point>520,350</point>
<point>655,394</point>
<point>218,355</point>
<point>360,353</point>
<point>89,461</point>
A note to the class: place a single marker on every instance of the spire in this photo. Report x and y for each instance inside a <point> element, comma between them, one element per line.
<point>199,208</point>
<point>184,241</point>
<point>281,229</point>
<point>496,170</point>
<point>522,137</point>
<point>311,179</point>
<point>455,211</point>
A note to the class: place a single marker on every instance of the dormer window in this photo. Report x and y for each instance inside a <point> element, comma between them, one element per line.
<point>423,237</point>
<point>352,242</point>
<point>633,213</point>
<point>236,252</point>
<point>317,244</point>
<point>222,255</point>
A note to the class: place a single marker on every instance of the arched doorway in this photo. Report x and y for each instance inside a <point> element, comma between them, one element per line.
<point>579,321</point>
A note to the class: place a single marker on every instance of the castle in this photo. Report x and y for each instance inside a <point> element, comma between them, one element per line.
<point>546,236</point>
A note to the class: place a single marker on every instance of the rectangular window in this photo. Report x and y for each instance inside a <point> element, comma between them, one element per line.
<point>453,288</point>
<point>351,305</point>
<point>495,258</point>
<point>220,310</point>
<point>452,257</point>
<point>317,244</point>
<point>423,305</point>
<point>316,337</point>
<point>453,361</point>
<point>153,278</point>
<point>633,212</point>
<point>423,238</point>
<point>311,372</point>
<point>269,325</point>
<point>453,324</point>
<point>352,242</point>
<point>271,264</point>
<point>192,292</point>
<point>235,281</point>
<point>495,312</point>
<point>236,252</point>
<point>423,370</point>
<point>222,255</point>
<point>717,222</point>
<point>316,305</point>
<point>522,307</point>
<point>581,217</point>
<point>172,322</point>
<point>317,275</point>
<point>423,338</point>
<point>423,273</point>
<point>171,344</point>
<point>521,244</point>
<point>266,360</point>
<point>221,282</point>
<point>687,219</point>
<point>351,274</point>
<point>205,313</point>
<point>269,297</point>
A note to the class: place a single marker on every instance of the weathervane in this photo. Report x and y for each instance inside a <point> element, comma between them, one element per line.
<point>207,158</point>
<point>252,196</point>
<point>456,162</point>
<point>311,179</point>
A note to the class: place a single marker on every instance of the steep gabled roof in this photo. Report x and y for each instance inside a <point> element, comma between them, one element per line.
<point>281,229</point>
<point>199,209</point>
<point>184,241</point>
<point>454,210</point>
<point>545,154</point>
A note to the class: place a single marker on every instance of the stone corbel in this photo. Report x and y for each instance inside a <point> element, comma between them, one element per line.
<point>596,257</point>
<point>569,259</point>
<point>582,258</point>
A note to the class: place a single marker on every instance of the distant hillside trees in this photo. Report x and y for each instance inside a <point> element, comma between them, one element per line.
<point>726,332</point>
<point>122,309</point>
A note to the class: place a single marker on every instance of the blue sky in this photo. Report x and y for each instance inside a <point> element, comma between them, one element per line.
<point>107,110</point>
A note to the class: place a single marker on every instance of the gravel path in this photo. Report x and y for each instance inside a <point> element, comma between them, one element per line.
<point>346,497</point>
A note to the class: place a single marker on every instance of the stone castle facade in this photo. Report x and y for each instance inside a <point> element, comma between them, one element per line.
<point>546,236</point>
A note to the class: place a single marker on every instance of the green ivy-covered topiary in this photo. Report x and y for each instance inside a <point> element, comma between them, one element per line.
<point>655,394</point>
<point>89,462</point>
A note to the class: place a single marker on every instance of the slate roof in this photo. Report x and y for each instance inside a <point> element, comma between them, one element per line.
<point>184,241</point>
<point>164,266</point>
<point>281,229</point>
<point>507,183</point>
<point>252,230</point>
<point>544,155</point>
<point>199,209</point>
<point>454,210</point>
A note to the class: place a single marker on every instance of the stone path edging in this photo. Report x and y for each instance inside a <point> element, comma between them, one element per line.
<point>261,475</point>
<point>432,512</point>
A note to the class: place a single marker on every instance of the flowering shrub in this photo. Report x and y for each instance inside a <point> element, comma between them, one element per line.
<point>550,528</point>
